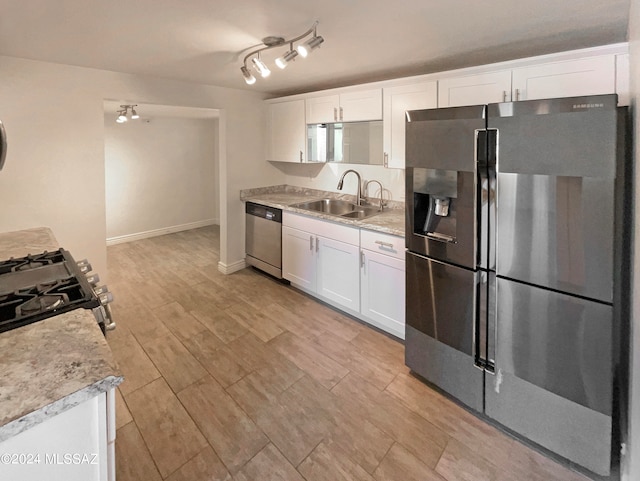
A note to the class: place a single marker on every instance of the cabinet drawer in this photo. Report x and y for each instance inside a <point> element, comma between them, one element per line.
<point>390,245</point>
<point>324,228</point>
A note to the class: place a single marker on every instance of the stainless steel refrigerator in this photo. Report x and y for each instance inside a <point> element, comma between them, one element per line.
<point>515,258</point>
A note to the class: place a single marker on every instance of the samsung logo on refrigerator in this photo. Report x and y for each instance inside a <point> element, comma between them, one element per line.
<point>588,106</point>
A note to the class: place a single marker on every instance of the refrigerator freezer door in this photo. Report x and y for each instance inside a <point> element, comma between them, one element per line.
<point>440,313</point>
<point>553,381</point>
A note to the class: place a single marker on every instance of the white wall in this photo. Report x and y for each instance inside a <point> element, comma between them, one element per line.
<point>160,175</point>
<point>54,175</point>
<point>632,469</point>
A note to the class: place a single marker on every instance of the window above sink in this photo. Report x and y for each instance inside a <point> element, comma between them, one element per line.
<point>346,142</point>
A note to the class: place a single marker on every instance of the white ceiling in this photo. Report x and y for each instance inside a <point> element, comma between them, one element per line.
<point>205,41</point>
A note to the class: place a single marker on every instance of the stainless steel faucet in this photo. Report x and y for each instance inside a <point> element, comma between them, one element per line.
<point>366,189</point>
<point>359,193</point>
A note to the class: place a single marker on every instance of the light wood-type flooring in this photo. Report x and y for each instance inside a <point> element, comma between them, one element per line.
<point>242,378</point>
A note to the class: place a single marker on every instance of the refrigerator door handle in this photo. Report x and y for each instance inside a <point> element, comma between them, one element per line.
<point>440,237</point>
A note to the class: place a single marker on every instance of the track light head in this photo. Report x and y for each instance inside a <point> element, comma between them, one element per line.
<point>286,58</point>
<point>311,44</point>
<point>261,67</point>
<point>134,114</point>
<point>122,116</point>
<point>248,76</point>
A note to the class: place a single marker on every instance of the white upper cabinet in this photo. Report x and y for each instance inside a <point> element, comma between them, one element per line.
<point>571,78</point>
<point>397,100</point>
<point>353,106</point>
<point>286,133</point>
<point>476,89</point>
<point>622,79</point>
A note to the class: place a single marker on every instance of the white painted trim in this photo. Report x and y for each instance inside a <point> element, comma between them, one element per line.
<point>233,267</point>
<point>162,231</point>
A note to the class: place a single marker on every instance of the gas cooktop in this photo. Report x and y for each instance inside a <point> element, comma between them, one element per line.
<point>39,286</point>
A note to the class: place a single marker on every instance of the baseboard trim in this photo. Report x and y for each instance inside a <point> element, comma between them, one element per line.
<point>157,232</point>
<point>233,267</point>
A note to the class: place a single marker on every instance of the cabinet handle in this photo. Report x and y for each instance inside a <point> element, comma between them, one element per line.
<point>362,259</point>
<point>385,162</point>
<point>335,114</point>
<point>311,243</point>
<point>340,113</point>
<point>317,245</point>
<point>517,94</point>
<point>504,95</point>
<point>385,244</point>
<point>301,156</point>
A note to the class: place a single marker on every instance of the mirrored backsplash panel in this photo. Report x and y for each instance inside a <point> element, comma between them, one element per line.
<point>347,143</point>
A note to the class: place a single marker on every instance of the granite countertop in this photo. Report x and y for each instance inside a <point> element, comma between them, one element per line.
<point>391,220</point>
<point>51,365</point>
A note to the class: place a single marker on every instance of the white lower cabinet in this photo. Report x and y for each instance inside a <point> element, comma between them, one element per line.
<point>361,272</point>
<point>76,445</point>
<point>322,258</point>
<point>382,281</point>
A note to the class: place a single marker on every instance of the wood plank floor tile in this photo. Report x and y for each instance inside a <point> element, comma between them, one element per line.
<point>261,325</point>
<point>329,463</point>
<point>319,366</point>
<point>137,368</point>
<point>347,425</point>
<point>168,431</point>
<point>459,463</point>
<point>291,321</point>
<point>255,355</point>
<point>182,324</point>
<point>123,416</point>
<point>422,438</point>
<point>178,367</point>
<point>215,357</point>
<point>133,460</point>
<point>374,370</point>
<point>141,323</point>
<point>233,435</point>
<point>205,466</point>
<point>268,465</point>
<point>220,323</point>
<point>382,347</point>
<point>400,465</point>
<point>329,320</point>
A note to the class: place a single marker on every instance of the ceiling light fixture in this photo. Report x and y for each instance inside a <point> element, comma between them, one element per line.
<point>122,114</point>
<point>272,42</point>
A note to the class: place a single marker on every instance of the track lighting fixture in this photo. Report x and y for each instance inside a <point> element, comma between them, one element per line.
<point>122,114</point>
<point>272,42</point>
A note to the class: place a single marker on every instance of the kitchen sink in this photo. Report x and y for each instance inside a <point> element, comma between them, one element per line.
<point>338,207</point>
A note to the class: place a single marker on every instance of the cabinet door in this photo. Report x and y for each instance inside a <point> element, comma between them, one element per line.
<point>383,291</point>
<point>587,76</point>
<point>323,109</point>
<point>479,89</point>
<point>71,446</point>
<point>397,100</point>
<point>622,79</point>
<point>299,258</point>
<point>338,273</point>
<point>361,105</point>
<point>287,131</point>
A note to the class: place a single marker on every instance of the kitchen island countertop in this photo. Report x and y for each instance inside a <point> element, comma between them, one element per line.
<point>52,365</point>
<point>390,221</point>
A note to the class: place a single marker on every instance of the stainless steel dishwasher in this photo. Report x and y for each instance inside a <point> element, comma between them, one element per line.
<point>264,238</point>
